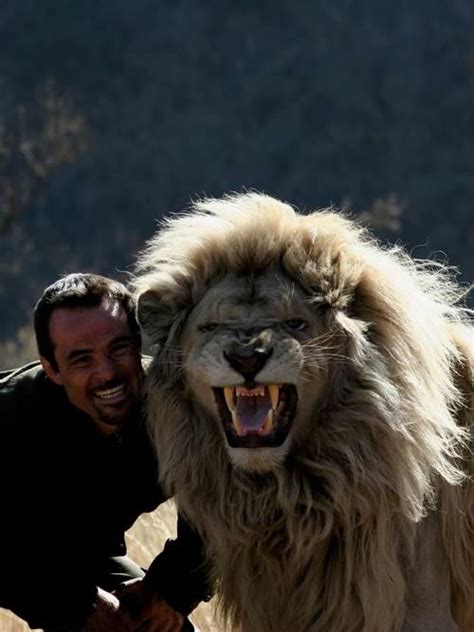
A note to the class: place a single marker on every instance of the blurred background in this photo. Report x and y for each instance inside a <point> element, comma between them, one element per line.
<point>114,113</point>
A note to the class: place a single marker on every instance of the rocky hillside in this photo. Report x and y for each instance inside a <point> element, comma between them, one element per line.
<point>367,104</point>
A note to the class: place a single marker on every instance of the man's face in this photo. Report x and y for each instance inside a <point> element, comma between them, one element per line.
<point>98,362</point>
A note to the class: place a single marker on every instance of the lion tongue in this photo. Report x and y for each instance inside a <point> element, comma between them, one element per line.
<point>252,411</point>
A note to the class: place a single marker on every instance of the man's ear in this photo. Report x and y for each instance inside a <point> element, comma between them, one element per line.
<point>50,371</point>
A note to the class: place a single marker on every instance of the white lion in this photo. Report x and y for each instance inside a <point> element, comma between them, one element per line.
<point>311,402</point>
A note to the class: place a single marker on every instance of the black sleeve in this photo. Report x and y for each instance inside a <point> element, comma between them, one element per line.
<point>179,572</point>
<point>43,599</point>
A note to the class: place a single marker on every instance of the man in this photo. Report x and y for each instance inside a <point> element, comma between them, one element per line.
<point>76,470</point>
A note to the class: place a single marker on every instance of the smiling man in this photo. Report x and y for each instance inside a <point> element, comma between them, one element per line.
<point>76,470</point>
<point>97,361</point>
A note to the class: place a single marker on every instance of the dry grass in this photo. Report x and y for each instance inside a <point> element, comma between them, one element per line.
<point>145,540</point>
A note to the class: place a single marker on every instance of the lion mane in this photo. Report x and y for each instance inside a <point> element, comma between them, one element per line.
<point>362,518</point>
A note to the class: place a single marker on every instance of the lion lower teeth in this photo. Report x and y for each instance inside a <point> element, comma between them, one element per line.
<point>236,424</point>
<point>268,427</point>
<point>242,432</point>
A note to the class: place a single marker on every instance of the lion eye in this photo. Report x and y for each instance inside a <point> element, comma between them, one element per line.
<point>297,324</point>
<point>208,327</point>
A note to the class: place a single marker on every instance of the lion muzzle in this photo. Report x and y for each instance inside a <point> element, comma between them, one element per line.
<point>248,359</point>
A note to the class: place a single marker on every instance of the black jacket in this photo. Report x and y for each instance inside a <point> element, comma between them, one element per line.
<point>67,495</point>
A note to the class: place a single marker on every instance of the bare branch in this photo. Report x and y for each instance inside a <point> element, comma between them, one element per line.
<point>40,138</point>
<point>384,214</point>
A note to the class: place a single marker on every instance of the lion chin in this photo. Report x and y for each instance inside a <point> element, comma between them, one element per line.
<point>259,459</point>
<point>310,399</point>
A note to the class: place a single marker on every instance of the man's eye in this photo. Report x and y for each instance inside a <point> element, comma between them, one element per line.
<point>81,361</point>
<point>208,327</point>
<point>121,349</point>
<point>296,324</point>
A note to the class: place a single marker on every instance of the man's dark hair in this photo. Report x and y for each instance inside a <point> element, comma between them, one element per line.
<point>79,290</point>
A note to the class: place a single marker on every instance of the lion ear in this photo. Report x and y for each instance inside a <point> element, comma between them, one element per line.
<point>155,316</point>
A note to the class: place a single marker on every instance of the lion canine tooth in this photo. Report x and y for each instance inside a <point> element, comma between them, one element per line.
<point>268,427</point>
<point>236,424</point>
<point>229,397</point>
<point>274,391</point>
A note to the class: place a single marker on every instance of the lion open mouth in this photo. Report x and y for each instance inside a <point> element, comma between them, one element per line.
<point>256,416</point>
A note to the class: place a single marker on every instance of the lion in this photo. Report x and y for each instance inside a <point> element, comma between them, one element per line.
<point>310,399</point>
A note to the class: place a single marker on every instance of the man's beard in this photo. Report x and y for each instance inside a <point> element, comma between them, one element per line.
<point>120,418</point>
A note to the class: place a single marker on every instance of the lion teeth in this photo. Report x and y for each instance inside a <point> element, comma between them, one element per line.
<point>274,391</point>
<point>229,398</point>
<point>258,391</point>
<point>237,427</point>
<point>231,395</point>
<point>268,427</point>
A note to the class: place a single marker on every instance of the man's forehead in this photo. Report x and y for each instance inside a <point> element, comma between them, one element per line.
<point>75,324</point>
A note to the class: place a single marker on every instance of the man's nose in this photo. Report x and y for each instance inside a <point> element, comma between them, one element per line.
<point>105,368</point>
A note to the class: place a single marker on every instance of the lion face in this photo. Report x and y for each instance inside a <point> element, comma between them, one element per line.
<point>250,361</point>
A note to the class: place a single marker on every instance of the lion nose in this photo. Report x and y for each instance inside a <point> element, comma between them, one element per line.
<point>247,360</point>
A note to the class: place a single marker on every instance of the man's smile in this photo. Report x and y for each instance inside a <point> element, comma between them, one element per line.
<point>111,395</point>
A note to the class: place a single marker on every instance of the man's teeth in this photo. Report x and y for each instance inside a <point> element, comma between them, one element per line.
<point>110,392</point>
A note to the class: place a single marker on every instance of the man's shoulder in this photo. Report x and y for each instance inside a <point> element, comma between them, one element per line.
<point>23,375</point>
<point>29,368</point>
<point>20,386</point>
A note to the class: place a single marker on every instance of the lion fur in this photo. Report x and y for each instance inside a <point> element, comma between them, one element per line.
<point>327,541</point>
